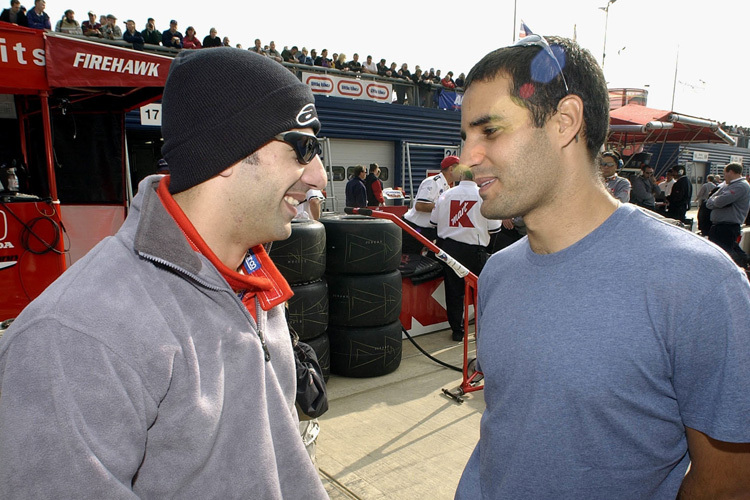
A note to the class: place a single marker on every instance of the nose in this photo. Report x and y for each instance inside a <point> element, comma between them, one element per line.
<point>314,174</point>
<point>472,153</point>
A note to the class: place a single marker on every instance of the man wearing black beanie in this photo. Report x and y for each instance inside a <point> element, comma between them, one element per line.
<point>160,365</point>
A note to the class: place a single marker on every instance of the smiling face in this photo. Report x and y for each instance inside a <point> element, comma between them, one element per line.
<point>512,161</point>
<point>267,190</point>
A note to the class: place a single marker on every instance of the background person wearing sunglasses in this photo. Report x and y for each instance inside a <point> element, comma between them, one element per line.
<point>160,365</point>
<point>599,381</point>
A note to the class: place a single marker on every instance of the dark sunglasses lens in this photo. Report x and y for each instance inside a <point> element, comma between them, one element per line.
<point>307,148</point>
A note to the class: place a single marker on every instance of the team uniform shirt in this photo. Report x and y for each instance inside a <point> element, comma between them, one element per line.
<point>303,209</point>
<point>429,190</point>
<point>589,402</point>
<point>618,187</point>
<point>457,216</point>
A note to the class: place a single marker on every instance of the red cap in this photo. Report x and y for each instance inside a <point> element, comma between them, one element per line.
<point>448,161</point>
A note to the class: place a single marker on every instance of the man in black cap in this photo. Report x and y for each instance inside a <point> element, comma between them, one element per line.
<point>160,365</point>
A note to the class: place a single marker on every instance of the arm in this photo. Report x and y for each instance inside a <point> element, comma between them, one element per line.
<point>377,190</point>
<point>424,206</point>
<point>723,197</point>
<point>314,205</point>
<point>718,470</point>
<point>73,416</point>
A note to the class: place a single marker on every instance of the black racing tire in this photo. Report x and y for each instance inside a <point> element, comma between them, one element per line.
<point>364,300</point>
<point>357,244</point>
<point>365,352</point>
<point>308,309</point>
<point>322,347</point>
<point>301,257</point>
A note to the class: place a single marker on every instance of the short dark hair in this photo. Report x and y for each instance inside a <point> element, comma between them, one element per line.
<point>358,170</point>
<point>645,166</point>
<point>582,74</point>
<point>14,2</point>
<point>734,167</point>
<point>373,167</point>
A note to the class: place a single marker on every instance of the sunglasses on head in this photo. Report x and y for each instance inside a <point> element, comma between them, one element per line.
<point>539,41</point>
<point>305,145</point>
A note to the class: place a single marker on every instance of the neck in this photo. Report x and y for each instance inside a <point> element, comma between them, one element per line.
<point>580,205</point>
<point>209,225</point>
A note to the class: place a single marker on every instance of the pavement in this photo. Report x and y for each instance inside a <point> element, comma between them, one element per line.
<point>397,436</point>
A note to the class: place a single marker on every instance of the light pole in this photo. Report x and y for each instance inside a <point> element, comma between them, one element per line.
<point>606,20</point>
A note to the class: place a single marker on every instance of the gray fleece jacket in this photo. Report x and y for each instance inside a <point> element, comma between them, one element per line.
<point>139,374</point>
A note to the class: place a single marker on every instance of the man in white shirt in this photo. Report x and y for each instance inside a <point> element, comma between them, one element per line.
<point>464,233</point>
<point>430,189</point>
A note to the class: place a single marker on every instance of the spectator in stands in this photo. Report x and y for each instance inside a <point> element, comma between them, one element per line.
<point>290,55</point>
<point>374,187</point>
<point>427,91</point>
<point>111,31</point>
<point>211,40</point>
<point>238,46</point>
<point>436,78</point>
<point>322,60</point>
<point>149,34</point>
<point>448,82</point>
<point>369,66</point>
<point>404,93</point>
<point>382,68</point>
<point>257,48</point>
<point>356,192</point>
<point>460,80</point>
<point>393,70</point>
<point>190,41</point>
<point>354,64</point>
<point>304,58</point>
<point>225,42</point>
<point>313,56</point>
<point>340,63</point>
<point>37,18</point>
<point>172,37</point>
<point>103,20</point>
<point>68,24</point>
<point>92,26</point>
<point>334,58</point>
<point>132,35</point>
<point>14,14</point>
<point>273,53</point>
<point>645,189</point>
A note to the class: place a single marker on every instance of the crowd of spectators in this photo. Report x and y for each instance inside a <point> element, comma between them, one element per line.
<point>427,82</point>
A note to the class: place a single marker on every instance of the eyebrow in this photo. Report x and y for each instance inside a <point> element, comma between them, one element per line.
<point>482,120</point>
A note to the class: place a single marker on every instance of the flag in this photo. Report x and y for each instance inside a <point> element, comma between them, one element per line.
<point>524,31</point>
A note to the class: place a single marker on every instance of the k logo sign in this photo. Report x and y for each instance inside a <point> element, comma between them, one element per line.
<point>307,116</point>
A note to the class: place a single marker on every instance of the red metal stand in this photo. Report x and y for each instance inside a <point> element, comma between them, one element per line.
<point>471,377</point>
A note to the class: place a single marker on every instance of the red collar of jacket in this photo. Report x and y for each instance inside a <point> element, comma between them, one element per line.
<point>260,277</point>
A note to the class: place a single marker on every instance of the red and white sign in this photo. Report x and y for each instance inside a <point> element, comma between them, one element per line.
<point>353,88</point>
<point>72,62</point>
<point>32,60</point>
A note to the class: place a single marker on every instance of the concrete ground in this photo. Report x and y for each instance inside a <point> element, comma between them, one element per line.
<point>397,436</point>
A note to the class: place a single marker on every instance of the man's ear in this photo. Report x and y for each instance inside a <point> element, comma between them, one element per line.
<point>569,119</point>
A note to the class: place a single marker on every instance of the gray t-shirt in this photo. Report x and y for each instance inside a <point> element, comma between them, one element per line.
<point>593,368</point>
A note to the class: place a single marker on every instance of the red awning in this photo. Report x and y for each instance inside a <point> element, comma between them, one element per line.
<point>34,61</point>
<point>635,124</point>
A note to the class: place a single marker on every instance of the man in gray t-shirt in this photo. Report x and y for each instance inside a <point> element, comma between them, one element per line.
<point>600,382</point>
<point>729,206</point>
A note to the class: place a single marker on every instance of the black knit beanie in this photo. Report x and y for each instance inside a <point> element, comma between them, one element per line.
<point>221,105</point>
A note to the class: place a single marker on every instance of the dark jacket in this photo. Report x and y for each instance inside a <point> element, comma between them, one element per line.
<point>135,38</point>
<point>166,39</point>
<point>152,37</point>
<point>356,193</point>
<point>373,198</point>
<point>20,20</point>
<point>211,42</point>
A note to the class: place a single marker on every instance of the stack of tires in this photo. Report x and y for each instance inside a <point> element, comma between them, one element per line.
<point>301,259</point>
<point>364,294</point>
